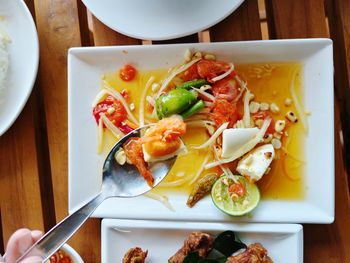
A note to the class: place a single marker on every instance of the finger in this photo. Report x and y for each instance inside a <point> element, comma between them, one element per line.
<point>32,260</point>
<point>36,235</point>
<point>19,242</point>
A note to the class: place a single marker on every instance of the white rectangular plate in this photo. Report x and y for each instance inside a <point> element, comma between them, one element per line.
<point>284,242</point>
<point>85,67</point>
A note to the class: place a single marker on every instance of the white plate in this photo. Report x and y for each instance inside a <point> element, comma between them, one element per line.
<point>161,19</point>
<point>23,51</point>
<point>85,66</point>
<point>284,242</point>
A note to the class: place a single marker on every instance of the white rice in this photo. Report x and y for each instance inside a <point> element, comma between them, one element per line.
<point>4,59</point>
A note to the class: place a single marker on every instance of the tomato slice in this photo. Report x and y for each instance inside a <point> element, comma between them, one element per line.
<point>210,68</point>
<point>65,259</point>
<point>238,189</point>
<point>53,258</point>
<point>224,111</point>
<point>115,115</point>
<point>226,89</point>
<point>125,128</point>
<point>191,73</point>
<point>127,73</point>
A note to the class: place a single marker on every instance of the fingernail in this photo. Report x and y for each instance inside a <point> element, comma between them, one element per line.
<point>36,233</point>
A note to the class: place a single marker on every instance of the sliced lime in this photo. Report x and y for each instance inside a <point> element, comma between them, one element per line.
<point>235,195</point>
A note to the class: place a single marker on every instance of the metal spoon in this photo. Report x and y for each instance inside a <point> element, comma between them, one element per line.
<point>118,181</point>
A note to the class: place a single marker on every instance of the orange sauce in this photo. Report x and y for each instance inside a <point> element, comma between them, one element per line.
<point>269,83</point>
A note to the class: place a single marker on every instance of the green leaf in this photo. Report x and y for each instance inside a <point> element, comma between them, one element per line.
<point>192,257</point>
<point>227,243</point>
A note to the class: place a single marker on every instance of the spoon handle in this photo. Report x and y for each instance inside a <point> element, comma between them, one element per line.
<point>60,233</point>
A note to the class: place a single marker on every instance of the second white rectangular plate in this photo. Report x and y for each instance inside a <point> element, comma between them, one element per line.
<point>85,67</point>
<point>162,239</point>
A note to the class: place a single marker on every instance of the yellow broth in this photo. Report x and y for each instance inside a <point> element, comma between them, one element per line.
<point>269,83</point>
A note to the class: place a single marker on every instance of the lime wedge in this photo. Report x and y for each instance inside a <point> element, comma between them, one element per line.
<point>235,195</point>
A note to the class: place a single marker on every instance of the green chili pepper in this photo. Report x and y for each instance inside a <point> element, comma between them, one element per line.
<point>196,107</point>
<point>174,102</point>
<point>193,83</point>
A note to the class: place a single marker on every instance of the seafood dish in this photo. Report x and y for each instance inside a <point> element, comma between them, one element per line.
<point>238,130</point>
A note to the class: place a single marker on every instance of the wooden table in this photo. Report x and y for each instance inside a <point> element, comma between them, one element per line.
<point>33,153</point>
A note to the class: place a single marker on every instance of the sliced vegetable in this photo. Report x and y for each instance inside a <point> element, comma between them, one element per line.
<point>174,102</point>
<point>112,108</point>
<point>195,108</point>
<point>100,136</point>
<point>210,69</point>
<point>246,116</point>
<point>205,95</point>
<point>110,126</point>
<point>199,172</point>
<point>226,89</point>
<point>161,198</point>
<point>244,148</point>
<point>297,104</point>
<point>167,81</point>
<point>224,75</point>
<point>193,83</point>
<point>99,97</point>
<point>235,196</point>
<point>224,111</point>
<point>213,138</point>
<point>120,98</point>
<point>142,101</point>
<point>127,73</point>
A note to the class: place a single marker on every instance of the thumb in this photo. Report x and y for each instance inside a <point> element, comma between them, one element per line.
<point>18,243</point>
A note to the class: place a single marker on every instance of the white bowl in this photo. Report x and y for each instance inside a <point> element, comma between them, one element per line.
<point>85,67</point>
<point>72,253</point>
<point>161,19</point>
<point>23,60</point>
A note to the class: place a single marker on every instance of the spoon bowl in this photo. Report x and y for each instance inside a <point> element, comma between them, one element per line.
<point>118,181</point>
<point>125,180</point>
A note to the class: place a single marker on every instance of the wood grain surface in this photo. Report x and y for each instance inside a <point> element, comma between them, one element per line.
<point>339,23</point>
<point>20,187</point>
<point>34,152</point>
<point>59,29</point>
<point>326,243</point>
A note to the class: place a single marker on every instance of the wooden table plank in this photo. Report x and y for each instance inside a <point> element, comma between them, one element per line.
<point>339,23</point>
<point>104,36</point>
<point>20,187</point>
<point>296,19</point>
<point>243,24</point>
<point>20,193</point>
<point>59,29</point>
<point>187,39</point>
<point>324,243</point>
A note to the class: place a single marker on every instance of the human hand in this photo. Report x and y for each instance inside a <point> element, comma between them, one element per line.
<point>18,243</point>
